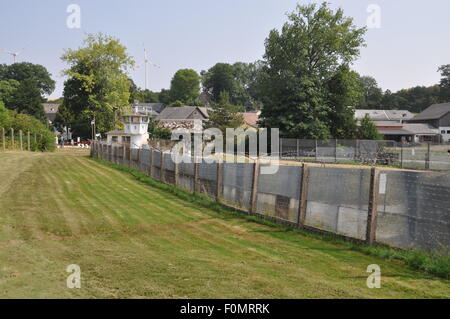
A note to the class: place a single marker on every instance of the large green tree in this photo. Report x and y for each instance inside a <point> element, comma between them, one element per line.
<point>238,80</point>
<point>22,86</point>
<point>38,74</point>
<point>185,87</point>
<point>97,85</point>
<point>27,99</point>
<point>300,60</point>
<point>372,94</point>
<point>344,92</point>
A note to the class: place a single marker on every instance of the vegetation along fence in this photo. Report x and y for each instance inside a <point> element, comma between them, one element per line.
<point>405,209</point>
<point>427,156</point>
<point>19,141</point>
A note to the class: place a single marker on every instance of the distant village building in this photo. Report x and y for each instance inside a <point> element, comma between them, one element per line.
<point>251,119</point>
<point>397,125</point>
<point>50,110</point>
<point>150,109</point>
<point>436,116</point>
<point>185,117</point>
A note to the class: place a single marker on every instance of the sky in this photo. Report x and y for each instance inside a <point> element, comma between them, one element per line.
<point>403,50</point>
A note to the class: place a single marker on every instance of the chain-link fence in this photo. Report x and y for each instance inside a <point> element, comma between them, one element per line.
<point>406,209</point>
<point>424,156</point>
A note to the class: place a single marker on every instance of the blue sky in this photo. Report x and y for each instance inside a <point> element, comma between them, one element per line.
<point>406,51</point>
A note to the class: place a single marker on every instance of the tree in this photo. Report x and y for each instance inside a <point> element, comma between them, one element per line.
<point>224,115</point>
<point>27,99</point>
<point>164,96</point>
<point>367,129</point>
<point>29,71</point>
<point>445,82</point>
<point>7,89</point>
<point>299,61</point>
<point>185,87</point>
<point>156,131</point>
<point>344,93</point>
<point>5,118</point>
<point>220,78</point>
<point>372,94</point>
<point>97,85</point>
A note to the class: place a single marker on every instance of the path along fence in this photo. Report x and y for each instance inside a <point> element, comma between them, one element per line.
<point>405,209</point>
<point>12,140</point>
<point>428,156</point>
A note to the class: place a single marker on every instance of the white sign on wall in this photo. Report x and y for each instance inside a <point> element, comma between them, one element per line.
<point>383,182</point>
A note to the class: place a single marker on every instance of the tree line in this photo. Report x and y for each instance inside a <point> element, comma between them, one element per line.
<point>304,84</point>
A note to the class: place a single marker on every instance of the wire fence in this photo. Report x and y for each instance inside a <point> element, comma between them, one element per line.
<point>404,209</point>
<point>428,156</point>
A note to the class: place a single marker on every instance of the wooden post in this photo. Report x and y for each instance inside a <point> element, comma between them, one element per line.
<point>124,155</point>
<point>12,138</point>
<point>28,142</point>
<point>303,196</point>
<point>20,140</point>
<point>150,166</point>
<point>195,175</point>
<point>428,157</point>
<point>373,204</point>
<point>335,150</point>
<point>316,149</point>
<point>255,187</point>
<point>161,168</point>
<point>219,181</point>
<point>4,138</point>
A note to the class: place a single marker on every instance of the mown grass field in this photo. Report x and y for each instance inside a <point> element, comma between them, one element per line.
<point>134,241</point>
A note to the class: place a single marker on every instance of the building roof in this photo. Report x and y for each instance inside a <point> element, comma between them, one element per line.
<point>420,128</point>
<point>181,112</point>
<point>251,118</point>
<point>384,115</point>
<point>50,110</point>
<point>434,112</point>
<point>410,129</point>
<point>149,108</point>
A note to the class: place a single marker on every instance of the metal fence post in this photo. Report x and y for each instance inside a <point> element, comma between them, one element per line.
<point>401,154</point>
<point>12,138</point>
<point>427,159</point>
<point>298,147</point>
<point>3,138</point>
<point>373,205</point>
<point>254,186</point>
<point>303,196</point>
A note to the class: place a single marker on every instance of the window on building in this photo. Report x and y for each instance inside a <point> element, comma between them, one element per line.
<point>115,139</point>
<point>442,132</point>
<point>448,132</point>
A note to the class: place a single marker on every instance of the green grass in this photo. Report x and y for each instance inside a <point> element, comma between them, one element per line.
<point>135,240</point>
<point>436,263</point>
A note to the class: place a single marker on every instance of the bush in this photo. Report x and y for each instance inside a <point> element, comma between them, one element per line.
<point>26,123</point>
<point>45,138</point>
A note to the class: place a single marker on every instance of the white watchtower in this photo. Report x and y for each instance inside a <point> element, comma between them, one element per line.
<point>136,126</point>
